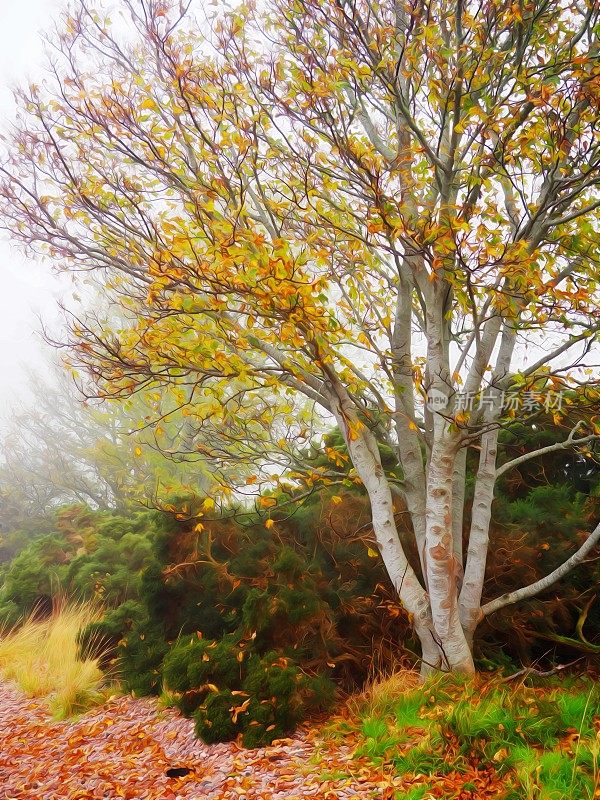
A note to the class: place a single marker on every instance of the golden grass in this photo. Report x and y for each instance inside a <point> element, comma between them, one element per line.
<point>40,655</point>
<point>382,691</point>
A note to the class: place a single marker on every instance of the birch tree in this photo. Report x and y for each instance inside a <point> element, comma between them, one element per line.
<point>387,210</point>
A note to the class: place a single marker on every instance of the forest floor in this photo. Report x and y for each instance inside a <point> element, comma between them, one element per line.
<point>124,748</point>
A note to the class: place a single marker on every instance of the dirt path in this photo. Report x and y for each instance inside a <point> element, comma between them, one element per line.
<point>123,749</point>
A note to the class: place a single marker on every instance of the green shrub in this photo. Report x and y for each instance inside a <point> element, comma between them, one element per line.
<point>99,555</point>
<point>214,719</point>
<point>140,659</point>
<point>194,665</point>
<point>273,694</point>
<point>103,637</point>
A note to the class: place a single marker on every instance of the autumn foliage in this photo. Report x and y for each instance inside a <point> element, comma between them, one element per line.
<point>364,212</point>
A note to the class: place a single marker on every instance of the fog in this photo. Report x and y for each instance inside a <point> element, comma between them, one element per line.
<point>29,289</point>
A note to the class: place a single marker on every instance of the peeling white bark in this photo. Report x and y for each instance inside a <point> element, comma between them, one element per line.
<point>458,505</point>
<point>364,453</point>
<point>470,595</point>
<point>443,568</point>
<point>477,553</point>
<point>409,445</point>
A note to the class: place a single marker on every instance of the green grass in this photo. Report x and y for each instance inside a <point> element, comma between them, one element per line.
<point>503,719</point>
<point>416,793</point>
<point>426,758</point>
<point>552,775</point>
<point>378,741</point>
<point>335,775</point>
<point>543,740</point>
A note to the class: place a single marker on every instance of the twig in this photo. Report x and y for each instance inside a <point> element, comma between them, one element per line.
<point>541,673</point>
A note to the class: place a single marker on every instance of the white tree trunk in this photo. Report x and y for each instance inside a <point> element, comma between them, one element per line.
<point>443,568</point>
<point>470,595</point>
<point>364,452</point>
<point>458,506</point>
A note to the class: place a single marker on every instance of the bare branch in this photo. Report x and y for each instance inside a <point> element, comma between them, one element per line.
<point>544,583</point>
<point>570,441</point>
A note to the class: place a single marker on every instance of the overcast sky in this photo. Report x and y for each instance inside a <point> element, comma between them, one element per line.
<point>27,289</point>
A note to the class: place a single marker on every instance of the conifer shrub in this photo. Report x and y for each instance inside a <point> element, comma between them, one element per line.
<point>86,554</point>
<point>275,696</point>
<point>105,635</point>
<point>194,667</point>
<point>139,664</point>
<point>214,721</point>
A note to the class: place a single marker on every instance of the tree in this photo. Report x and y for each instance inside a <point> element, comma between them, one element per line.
<point>357,204</point>
<point>58,449</point>
<point>50,451</point>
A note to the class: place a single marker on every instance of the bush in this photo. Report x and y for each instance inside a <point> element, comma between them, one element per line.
<point>194,666</point>
<point>89,555</point>
<point>275,696</point>
<point>214,721</point>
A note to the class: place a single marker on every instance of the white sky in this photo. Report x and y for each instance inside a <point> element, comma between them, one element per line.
<point>28,290</point>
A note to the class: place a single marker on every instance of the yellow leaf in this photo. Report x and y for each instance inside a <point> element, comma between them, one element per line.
<point>269,524</point>
<point>236,710</point>
<point>199,527</point>
<point>336,499</point>
<point>208,504</point>
<point>149,103</point>
<point>267,502</point>
<point>354,428</point>
<point>138,451</point>
<point>372,553</point>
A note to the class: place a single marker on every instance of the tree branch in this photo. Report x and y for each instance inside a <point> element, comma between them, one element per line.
<point>544,583</point>
<point>570,441</point>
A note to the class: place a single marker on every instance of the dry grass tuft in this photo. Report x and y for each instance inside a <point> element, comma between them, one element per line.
<point>41,656</point>
<point>382,691</point>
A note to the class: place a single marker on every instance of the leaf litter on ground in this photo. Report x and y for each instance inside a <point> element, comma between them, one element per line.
<point>126,748</point>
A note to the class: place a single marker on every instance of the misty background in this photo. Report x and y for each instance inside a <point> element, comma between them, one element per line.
<point>30,290</point>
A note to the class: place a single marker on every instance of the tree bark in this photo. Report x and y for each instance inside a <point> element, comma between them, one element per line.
<point>470,595</point>
<point>443,568</point>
